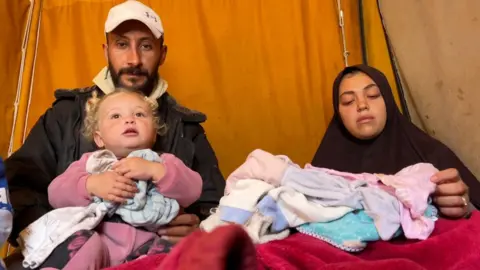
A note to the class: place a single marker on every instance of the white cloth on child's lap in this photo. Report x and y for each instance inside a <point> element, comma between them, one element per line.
<point>41,237</point>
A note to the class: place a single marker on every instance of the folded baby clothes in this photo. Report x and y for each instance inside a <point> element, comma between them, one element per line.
<point>267,212</point>
<point>353,231</point>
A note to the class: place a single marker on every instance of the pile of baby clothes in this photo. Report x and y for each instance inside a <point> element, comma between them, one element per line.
<point>269,195</point>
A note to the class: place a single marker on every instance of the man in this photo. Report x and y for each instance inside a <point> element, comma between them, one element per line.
<point>134,50</point>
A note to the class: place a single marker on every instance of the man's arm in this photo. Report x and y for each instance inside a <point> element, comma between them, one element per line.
<point>206,164</point>
<point>31,168</point>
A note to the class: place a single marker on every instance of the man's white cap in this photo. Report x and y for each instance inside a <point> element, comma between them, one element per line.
<point>134,10</point>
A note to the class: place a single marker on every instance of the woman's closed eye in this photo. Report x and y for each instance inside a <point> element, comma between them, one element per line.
<point>347,100</point>
<point>374,96</point>
<point>373,93</point>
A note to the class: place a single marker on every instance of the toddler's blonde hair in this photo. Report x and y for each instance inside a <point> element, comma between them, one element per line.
<point>90,124</point>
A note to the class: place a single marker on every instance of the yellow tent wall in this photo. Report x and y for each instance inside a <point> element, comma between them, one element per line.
<point>259,70</point>
<point>13,20</point>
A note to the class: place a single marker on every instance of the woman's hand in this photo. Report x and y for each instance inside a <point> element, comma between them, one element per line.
<point>451,194</point>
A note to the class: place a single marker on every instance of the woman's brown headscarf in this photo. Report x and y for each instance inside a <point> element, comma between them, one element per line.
<point>401,143</point>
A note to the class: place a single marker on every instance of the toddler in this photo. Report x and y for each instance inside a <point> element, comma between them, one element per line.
<point>111,203</point>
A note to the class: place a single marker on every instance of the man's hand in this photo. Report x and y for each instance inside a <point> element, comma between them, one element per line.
<point>139,169</point>
<point>180,227</point>
<point>111,187</point>
<point>451,194</point>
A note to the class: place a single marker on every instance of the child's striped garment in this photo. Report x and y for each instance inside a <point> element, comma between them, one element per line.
<point>6,217</point>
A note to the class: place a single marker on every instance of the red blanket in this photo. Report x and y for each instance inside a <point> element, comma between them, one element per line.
<point>453,245</point>
<point>227,247</point>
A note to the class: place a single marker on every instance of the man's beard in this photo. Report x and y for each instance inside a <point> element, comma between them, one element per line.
<point>146,87</point>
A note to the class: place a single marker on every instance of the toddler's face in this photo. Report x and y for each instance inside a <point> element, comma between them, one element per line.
<point>125,124</point>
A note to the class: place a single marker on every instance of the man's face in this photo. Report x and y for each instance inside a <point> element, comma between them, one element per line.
<point>134,56</point>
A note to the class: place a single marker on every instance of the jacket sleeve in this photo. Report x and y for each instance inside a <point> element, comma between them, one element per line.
<point>31,168</point>
<point>206,164</point>
<point>69,188</point>
<point>176,180</point>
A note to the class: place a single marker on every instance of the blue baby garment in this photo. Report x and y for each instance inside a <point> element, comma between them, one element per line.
<point>352,231</point>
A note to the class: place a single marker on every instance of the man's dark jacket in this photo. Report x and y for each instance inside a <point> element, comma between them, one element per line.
<point>56,141</point>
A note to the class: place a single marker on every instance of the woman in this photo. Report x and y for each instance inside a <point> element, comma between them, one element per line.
<point>369,134</point>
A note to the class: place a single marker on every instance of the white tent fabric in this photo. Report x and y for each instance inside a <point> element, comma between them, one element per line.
<point>436,45</point>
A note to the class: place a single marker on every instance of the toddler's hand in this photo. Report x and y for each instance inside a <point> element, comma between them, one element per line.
<point>111,186</point>
<point>139,169</point>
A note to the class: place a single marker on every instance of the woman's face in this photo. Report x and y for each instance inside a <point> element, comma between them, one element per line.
<point>361,106</point>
